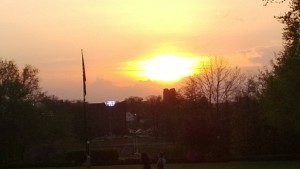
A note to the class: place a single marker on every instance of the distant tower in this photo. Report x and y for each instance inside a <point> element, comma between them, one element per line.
<point>169,95</point>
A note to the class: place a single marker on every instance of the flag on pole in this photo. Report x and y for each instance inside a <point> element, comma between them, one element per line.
<point>83,74</point>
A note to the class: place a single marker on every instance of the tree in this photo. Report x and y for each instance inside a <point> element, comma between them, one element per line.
<point>154,107</point>
<point>281,93</point>
<point>273,1</point>
<point>19,95</point>
<point>56,119</point>
<point>249,134</point>
<point>208,96</point>
<point>191,90</point>
<point>217,82</point>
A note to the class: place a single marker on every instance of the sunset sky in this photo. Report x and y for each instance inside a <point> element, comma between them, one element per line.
<point>116,34</point>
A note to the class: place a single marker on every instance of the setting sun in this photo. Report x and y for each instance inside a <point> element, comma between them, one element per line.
<point>167,67</point>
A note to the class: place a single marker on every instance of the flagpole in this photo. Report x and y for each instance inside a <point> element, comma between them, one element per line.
<point>87,142</point>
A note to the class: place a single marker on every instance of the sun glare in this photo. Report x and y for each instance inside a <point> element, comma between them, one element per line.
<point>168,67</point>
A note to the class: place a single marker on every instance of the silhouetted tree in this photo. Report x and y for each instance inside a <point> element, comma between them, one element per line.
<point>19,95</point>
<point>196,128</point>
<point>153,108</point>
<point>273,1</point>
<point>209,95</point>
<point>281,94</point>
<point>217,82</point>
<point>56,119</point>
<point>249,134</point>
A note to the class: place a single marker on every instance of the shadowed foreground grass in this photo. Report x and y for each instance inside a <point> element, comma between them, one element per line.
<point>229,165</point>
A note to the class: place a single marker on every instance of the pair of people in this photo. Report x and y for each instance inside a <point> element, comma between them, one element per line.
<point>161,162</point>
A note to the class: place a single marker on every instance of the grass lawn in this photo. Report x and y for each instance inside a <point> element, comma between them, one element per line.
<point>229,165</point>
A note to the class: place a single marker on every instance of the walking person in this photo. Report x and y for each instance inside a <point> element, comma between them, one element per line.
<point>146,161</point>
<point>161,162</point>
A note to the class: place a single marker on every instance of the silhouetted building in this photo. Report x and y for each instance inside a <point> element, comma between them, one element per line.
<point>169,96</point>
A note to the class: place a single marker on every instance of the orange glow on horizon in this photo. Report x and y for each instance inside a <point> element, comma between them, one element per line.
<point>164,68</point>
